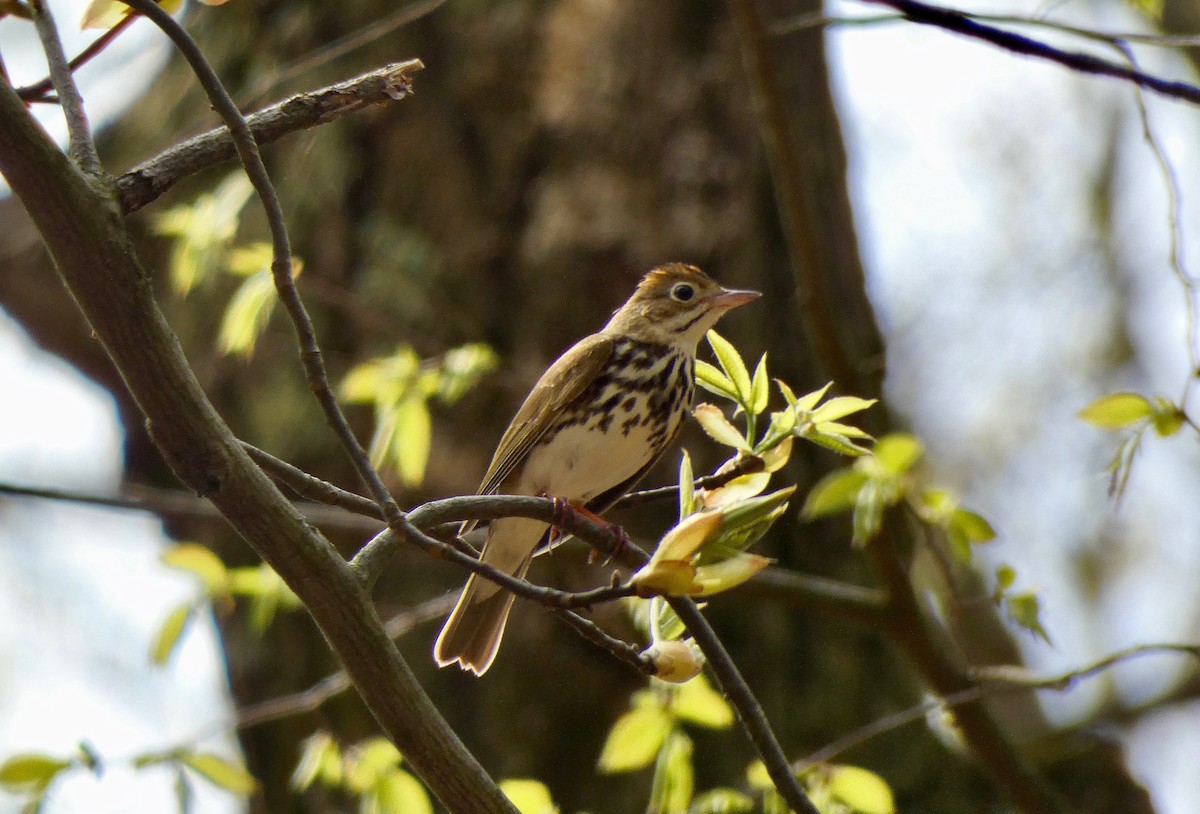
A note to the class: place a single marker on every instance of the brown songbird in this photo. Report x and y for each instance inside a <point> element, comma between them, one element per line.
<point>595,422</point>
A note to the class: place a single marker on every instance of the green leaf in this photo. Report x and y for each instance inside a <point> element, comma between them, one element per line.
<point>319,754</point>
<point>247,314</point>
<point>461,369</point>
<point>529,796</point>
<point>836,492</point>
<point>201,562</point>
<point>897,452</point>
<point>1167,417</point>
<point>396,792</point>
<point>868,511</point>
<point>973,526</point>
<point>412,439</point>
<point>1025,610</point>
<point>1117,411</point>
<point>635,739</point>
<point>687,486</point>
<point>718,427</point>
<point>1006,575</point>
<point>222,773</point>
<point>731,362</point>
<point>710,378</point>
<point>674,780</point>
<point>698,703</point>
<point>30,771</point>
<point>840,407</point>
<point>760,385</point>
<point>727,574</point>
<point>369,761</point>
<point>808,401</point>
<point>863,791</point>
<point>722,801</point>
<point>833,441</point>
<point>741,488</point>
<point>203,229</point>
<point>1151,8</point>
<point>169,634</point>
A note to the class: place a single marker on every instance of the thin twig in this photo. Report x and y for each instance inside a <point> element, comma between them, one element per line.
<point>83,149</point>
<point>310,486</point>
<point>992,680</point>
<point>281,264</point>
<point>742,465</point>
<point>337,683</point>
<point>147,181</point>
<point>39,91</point>
<point>178,503</point>
<point>960,23</point>
<point>754,721</point>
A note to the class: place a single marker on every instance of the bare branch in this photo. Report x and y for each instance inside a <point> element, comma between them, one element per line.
<point>147,181</point>
<point>40,91</point>
<point>310,486</point>
<point>961,23</point>
<point>83,149</point>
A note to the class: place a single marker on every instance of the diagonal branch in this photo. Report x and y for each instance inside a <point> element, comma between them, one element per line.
<point>147,181</point>
<point>960,23</point>
<point>83,149</point>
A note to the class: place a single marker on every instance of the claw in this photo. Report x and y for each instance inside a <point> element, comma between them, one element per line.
<point>566,516</point>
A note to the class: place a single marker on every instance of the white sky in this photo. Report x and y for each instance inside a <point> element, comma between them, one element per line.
<point>973,171</point>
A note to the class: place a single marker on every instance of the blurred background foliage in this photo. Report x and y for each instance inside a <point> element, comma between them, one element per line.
<point>452,245</point>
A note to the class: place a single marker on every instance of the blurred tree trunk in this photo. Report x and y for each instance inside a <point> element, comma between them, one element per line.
<point>553,152</point>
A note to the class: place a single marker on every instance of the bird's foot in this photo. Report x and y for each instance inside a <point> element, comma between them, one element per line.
<point>567,514</point>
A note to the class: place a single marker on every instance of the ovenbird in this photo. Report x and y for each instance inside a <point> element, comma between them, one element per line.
<point>595,422</point>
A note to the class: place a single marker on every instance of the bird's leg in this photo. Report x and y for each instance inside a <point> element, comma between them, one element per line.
<point>567,514</point>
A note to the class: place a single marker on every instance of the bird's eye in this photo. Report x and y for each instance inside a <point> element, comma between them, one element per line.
<point>682,292</point>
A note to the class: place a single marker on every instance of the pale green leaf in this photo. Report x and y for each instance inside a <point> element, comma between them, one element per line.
<point>718,427</point>
<point>757,776</point>
<point>838,443</point>
<point>863,791</point>
<point>710,378</point>
<point>315,761</point>
<point>169,634</point>
<point>674,782</point>
<point>722,801</point>
<point>396,792</point>
<point>251,260</point>
<point>777,456</point>
<point>740,488</point>
<point>731,362</point>
<point>200,561</point>
<point>529,796</point>
<point>635,739</point>
<point>973,526</point>
<point>727,574</point>
<point>868,512</point>
<point>1117,411</point>
<point>1006,575</point>
<point>1167,418</point>
<point>370,760</point>
<point>698,703</point>
<point>30,771</point>
<point>897,452</point>
<point>808,401</point>
<point>840,407</point>
<point>687,486</point>
<point>219,771</point>
<point>760,392</point>
<point>247,315</point>
<point>461,369</point>
<point>411,440</point>
<point>1025,609</point>
<point>836,492</point>
<point>844,430</point>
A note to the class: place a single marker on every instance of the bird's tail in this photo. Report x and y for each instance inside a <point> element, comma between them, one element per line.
<point>471,636</point>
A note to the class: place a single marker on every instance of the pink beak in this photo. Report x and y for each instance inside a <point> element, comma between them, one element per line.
<point>732,298</point>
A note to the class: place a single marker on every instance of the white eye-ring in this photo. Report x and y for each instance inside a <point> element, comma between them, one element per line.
<point>682,292</point>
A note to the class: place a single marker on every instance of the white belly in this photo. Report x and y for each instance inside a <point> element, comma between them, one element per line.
<point>582,462</point>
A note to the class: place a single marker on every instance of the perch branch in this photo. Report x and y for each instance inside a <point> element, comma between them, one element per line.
<point>147,181</point>
<point>83,149</point>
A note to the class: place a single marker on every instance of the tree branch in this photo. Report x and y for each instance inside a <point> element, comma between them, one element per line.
<point>147,181</point>
<point>960,23</point>
<point>39,91</point>
<point>86,236</point>
<point>83,149</point>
